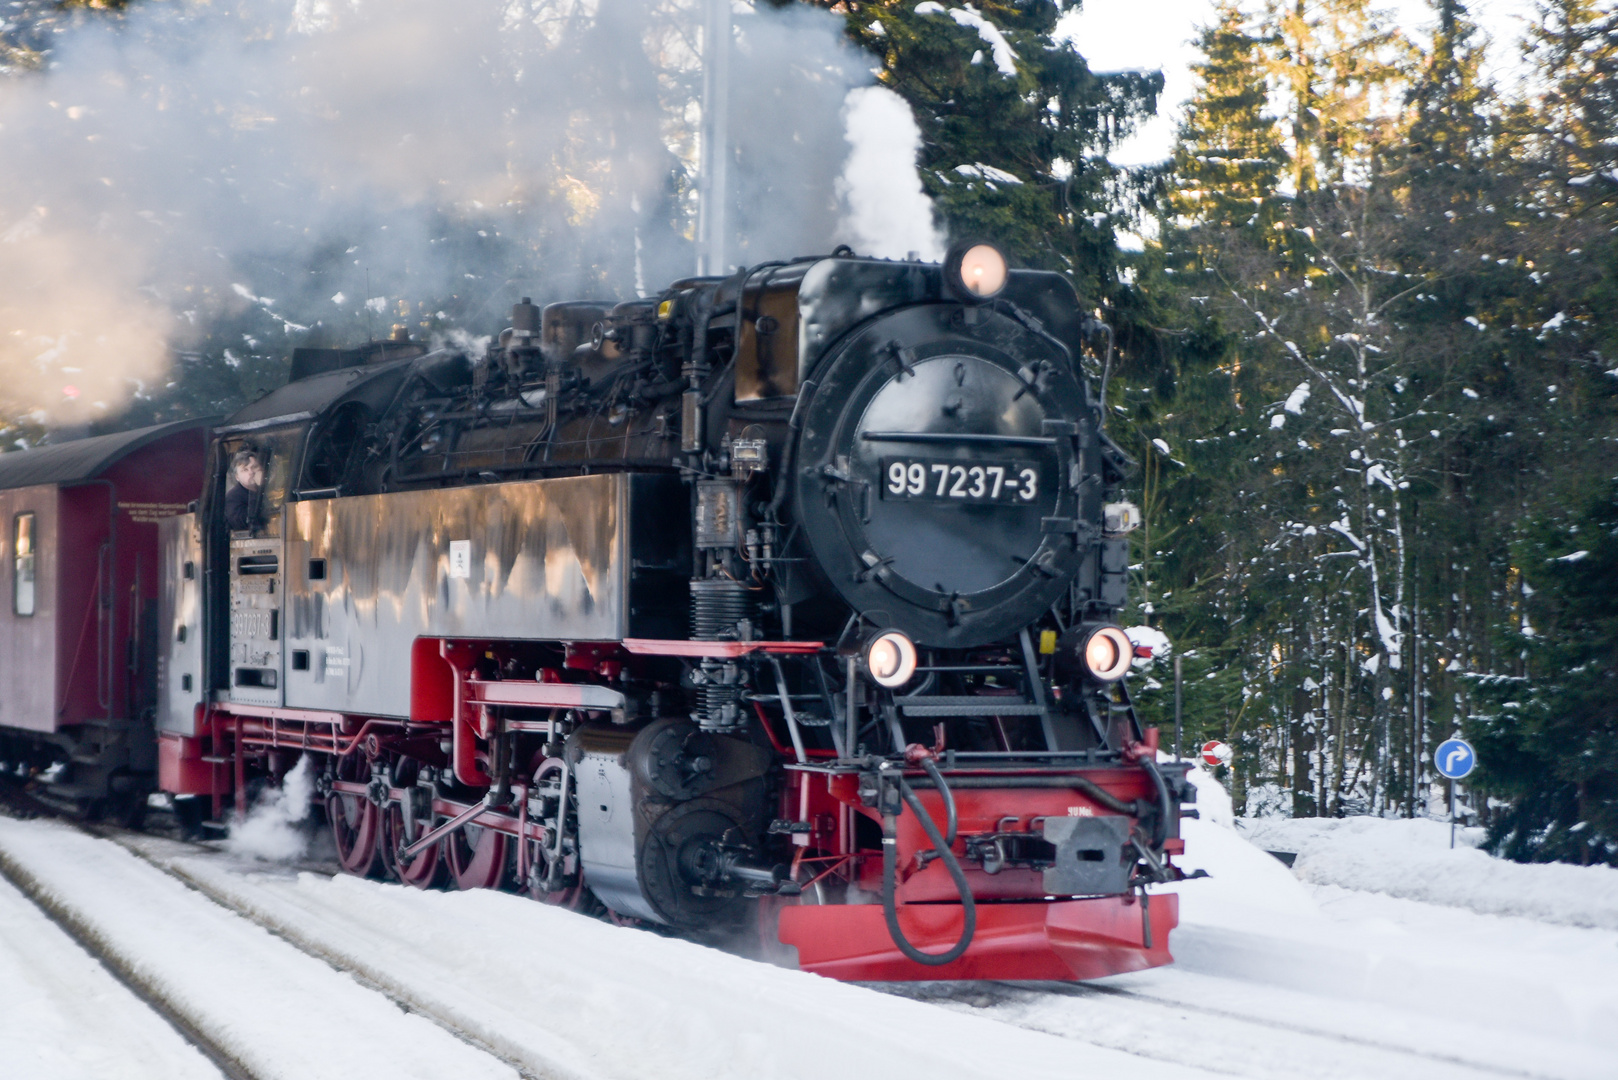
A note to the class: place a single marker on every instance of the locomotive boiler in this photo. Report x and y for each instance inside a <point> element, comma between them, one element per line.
<point>783,599</point>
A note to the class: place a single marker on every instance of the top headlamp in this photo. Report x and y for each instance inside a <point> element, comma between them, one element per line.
<point>976,271</point>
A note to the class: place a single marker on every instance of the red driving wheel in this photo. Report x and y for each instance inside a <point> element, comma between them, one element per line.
<point>426,869</point>
<point>354,828</point>
<point>355,822</point>
<point>476,857</point>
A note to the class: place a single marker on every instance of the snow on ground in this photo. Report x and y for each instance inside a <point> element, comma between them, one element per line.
<point>572,996</point>
<point>1412,859</point>
<point>1274,977</point>
<point>244,989</point>
<point>63,1017</point>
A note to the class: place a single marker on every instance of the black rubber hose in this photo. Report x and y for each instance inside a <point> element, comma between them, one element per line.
<point>890,860</point>
<point>1160,828</point>
<point>950,819</point>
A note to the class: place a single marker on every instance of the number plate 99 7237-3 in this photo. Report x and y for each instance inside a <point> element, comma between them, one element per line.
<point>959,481</point>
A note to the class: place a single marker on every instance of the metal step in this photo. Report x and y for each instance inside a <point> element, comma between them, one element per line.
<point>967,705</point>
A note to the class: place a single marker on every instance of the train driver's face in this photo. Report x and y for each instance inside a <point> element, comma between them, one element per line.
<point>250,474</point>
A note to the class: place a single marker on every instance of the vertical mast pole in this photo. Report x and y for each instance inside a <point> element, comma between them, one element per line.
<point>712,188</point>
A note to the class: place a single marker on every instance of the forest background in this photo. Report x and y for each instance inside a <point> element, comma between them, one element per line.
<point>1366,326</point>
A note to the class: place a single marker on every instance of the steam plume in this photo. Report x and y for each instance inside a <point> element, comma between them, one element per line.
<point>325,165</point>
<point>273,828</point>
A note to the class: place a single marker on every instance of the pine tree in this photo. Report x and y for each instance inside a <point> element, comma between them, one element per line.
<point>1550,740</point>
<point>1015,127</point>
<point>1229,160</point>
<point>1336,60</point>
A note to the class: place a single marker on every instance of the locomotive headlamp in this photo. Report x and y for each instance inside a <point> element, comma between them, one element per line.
<point>890,657</point>
<point>1106,653</point>
<point>975,271</point>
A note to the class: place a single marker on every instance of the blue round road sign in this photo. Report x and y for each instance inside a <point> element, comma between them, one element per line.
<point>1454,759</point>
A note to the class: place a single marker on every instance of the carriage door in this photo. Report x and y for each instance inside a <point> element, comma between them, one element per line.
<point>255,621</point>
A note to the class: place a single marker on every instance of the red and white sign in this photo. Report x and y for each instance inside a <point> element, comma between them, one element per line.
<point>1215,752</point>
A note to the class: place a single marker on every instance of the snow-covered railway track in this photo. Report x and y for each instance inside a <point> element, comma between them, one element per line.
<point>140,982</point>
<point>70,1011</point>
<point>1251,1027</point>
<point>1426,1059</point>
<point>89,937</point>
<point>252,1003</point>
<point>376,977</point>
<point>529,990</point>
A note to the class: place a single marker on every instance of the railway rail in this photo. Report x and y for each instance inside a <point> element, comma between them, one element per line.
<point>1310,1031</point>
<point>125,974</point>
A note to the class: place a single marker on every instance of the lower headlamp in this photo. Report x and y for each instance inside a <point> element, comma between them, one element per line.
<point>1105,653</point>
<point>890,658</point>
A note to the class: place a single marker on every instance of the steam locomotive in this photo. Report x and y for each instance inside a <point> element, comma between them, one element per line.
<point>784,599</point>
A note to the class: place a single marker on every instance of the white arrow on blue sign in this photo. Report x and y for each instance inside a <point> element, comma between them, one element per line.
<point>1454,759</point>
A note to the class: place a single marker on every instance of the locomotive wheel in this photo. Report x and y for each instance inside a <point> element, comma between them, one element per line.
<point>573,897</point>
<point>427,870</point>
<point>476,857</point>
<point>355,827</point>
<point>355,822</point>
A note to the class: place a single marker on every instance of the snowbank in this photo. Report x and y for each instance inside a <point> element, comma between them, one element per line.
<point>1412,859</point>
<point>1246,889</point>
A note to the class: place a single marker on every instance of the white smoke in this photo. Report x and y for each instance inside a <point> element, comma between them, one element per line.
<point>327,165</point>
<point>889,214</point>
<point>273,829</point>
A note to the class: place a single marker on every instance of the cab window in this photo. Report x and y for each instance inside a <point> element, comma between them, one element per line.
<point>257,475</point>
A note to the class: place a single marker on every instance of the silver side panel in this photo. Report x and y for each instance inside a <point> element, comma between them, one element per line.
<point>257,571</point>
<point>368,575</point>
<point>607,820</point>
<point>179,621</point>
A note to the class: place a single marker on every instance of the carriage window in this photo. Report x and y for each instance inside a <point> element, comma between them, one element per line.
<point>22,583</point>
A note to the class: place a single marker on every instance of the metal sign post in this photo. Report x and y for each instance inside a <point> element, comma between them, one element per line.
<point>1178,698</point>
<point>1454,759</point>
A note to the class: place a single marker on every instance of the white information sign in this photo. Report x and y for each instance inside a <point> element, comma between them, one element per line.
<point>460,558</point>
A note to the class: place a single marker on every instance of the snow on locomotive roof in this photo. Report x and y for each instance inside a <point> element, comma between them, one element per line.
<point>82,459</point>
